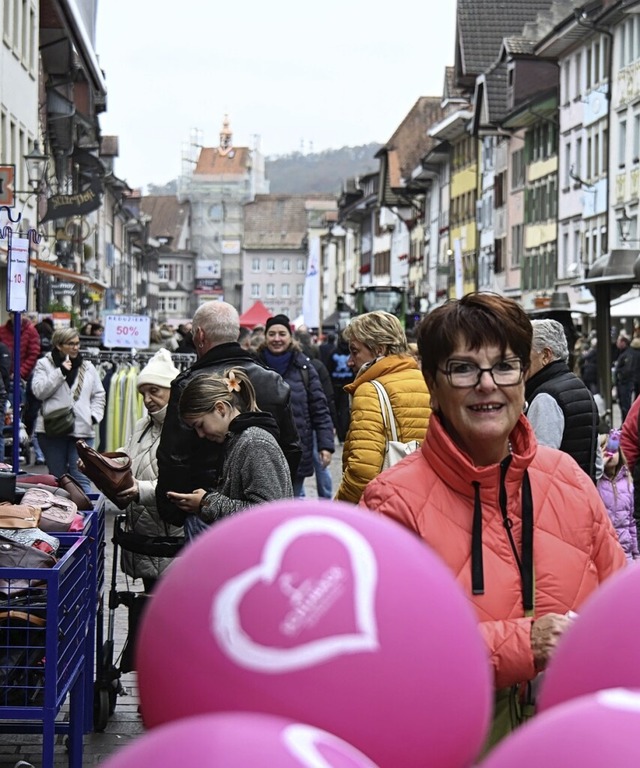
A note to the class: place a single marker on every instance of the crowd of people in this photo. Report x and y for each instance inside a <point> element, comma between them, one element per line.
<point>510,447</point>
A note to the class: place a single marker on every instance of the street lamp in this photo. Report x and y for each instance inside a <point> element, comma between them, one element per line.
<point>36,162</point>
<point>624,226</point>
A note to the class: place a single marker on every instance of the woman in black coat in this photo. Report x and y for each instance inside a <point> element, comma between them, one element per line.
<point>308,400</point>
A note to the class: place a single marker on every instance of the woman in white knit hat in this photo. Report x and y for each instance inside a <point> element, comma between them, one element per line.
<point>154,383</point>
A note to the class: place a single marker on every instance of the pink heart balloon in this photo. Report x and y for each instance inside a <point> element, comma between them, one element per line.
<point>324,613</point>
<point>590,732</point>
<point>238,740</point>
<point>600,650</point>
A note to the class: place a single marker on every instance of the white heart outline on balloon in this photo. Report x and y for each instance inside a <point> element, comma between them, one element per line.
<point>304,742</point>
<point>225,614</point>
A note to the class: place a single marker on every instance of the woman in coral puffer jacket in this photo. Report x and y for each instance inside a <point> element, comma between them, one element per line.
<point>526,537</point>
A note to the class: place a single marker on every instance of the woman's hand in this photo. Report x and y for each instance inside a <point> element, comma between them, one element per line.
<point>545,633</point>
<point>130,494</point>
<point>325,458</point>
<point>66,363</point>
<point>187,502</point>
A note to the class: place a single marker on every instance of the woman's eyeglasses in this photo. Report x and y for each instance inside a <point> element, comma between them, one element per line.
<point>72,344</point>
<point>461,374</point>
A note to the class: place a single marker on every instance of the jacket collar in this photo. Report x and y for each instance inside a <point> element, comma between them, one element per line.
<point>457,469</point>
<point>387,364</point>
<point>228,351</point>
<point>550,371</point>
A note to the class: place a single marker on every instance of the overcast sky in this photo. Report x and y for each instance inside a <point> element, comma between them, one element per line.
<point>291,74</point>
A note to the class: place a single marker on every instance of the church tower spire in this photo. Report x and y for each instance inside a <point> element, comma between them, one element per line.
<point>226,137</point>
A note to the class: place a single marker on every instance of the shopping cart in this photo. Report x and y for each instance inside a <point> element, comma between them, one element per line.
<point>108,685</point>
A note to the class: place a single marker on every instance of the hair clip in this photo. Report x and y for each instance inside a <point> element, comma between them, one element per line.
<point>233,385</point>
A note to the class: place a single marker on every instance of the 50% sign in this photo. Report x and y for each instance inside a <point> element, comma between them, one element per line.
<point>131,331</point>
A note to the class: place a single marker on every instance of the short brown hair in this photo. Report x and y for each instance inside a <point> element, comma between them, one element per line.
<point>477,319</point>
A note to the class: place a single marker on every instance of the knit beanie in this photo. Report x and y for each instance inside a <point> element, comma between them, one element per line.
<point>160,370</point>
<point>278,320</point>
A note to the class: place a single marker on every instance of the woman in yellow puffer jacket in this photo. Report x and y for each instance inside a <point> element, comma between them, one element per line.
<point>379,351</point>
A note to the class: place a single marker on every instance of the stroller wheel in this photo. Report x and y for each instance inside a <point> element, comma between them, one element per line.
<point>114,690</point>
<point>101,706</point>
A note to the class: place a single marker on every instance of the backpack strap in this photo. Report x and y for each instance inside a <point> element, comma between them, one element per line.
<point>304,372</point>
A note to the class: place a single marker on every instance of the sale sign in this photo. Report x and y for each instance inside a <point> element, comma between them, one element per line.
<point>18,272</point>
<point>131,331</point>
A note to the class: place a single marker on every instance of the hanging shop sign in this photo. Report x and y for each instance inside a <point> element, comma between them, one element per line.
<point>7,182</point>
<point>64,289</point>
<point>79,204</point>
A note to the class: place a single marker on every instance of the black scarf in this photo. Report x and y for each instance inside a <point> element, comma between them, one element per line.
<point>76,362</point>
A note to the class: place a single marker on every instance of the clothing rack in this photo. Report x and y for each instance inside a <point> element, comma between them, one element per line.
<point>181,360</point>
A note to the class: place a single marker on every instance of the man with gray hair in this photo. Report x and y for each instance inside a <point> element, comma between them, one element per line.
<point>560,407</point>
<point>186,461</point>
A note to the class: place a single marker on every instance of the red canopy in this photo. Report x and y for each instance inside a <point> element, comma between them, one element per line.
<point>257,314</point>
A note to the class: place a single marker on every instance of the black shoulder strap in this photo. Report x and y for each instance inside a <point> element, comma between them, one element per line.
<point>305,376</point>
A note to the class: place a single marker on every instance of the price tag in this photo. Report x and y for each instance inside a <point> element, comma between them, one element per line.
<point>18,275</point>
<point>130,331</point>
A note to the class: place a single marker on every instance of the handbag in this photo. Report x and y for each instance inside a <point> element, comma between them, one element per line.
<point>19,515</point>
<point>110,472</point>
<point>61,421</point>
<point>57,512</point>
<point>394,449</point>
<point>14,554</point>
<point>75,491</point>
<point>8,486</point>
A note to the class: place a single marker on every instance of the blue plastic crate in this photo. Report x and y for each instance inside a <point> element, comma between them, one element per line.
<point>45,616</point>
<point>94,530</point>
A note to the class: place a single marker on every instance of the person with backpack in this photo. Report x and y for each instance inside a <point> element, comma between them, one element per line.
<point>341,375</point>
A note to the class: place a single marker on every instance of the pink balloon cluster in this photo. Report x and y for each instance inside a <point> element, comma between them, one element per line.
<point>589,700</point>
<point>327,615</point>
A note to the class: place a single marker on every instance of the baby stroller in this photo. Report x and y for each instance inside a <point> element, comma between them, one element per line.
<point>108,685</point>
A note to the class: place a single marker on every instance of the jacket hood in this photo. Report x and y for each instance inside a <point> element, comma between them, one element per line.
<point>255,419</point>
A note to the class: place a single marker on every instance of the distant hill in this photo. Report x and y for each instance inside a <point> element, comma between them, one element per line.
<point>320,172</point>
<point>300,174</point>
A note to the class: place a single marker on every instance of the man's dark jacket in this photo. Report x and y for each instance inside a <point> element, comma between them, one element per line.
<point>187,462</point>
<point>580,436</point>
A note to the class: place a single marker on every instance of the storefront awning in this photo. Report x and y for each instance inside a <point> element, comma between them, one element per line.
<point>60,272</point>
